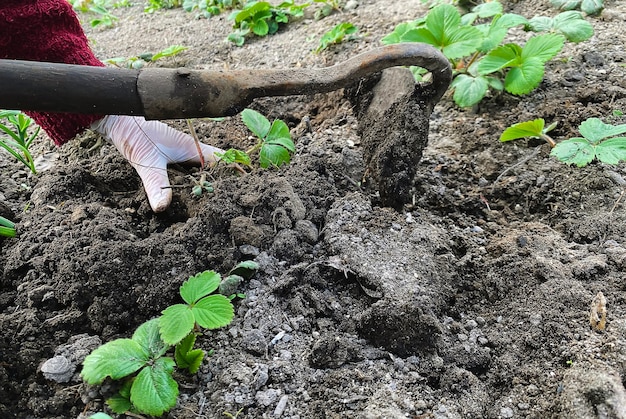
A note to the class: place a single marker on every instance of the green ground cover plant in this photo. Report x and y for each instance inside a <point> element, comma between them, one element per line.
<point>142,362</point>
<point>19,140</point>
<point>531,129</point>
<point>139,61</point>
<point>474,44</point>
<point>274,143</point>
<point>100,8</point>
<point>599,141</point>
<point>208,8</point>
<point>590,7</point>
<point>261,18</point>
<point>339,33</point>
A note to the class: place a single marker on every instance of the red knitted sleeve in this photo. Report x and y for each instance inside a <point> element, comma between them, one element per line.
<point>47,30</point>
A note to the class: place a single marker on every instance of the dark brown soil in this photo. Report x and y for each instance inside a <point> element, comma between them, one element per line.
<point>470,299</point>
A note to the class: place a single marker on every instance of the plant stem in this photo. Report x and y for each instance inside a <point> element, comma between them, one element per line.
<point>548,139</point>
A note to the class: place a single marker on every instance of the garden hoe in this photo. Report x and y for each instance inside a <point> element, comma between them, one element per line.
<point>393,110</point>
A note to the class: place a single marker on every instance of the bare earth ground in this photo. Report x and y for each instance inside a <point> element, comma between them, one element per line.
<point>473,301</point>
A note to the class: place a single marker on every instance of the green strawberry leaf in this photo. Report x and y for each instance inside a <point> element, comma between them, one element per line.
<point>199,285</point>
<point>523,129</point>
<point>213,311</point>
<point>543,47</point>
<point>525,77</point>
<point>504,56</point>
<point>469,90</point>
<point>576,151</point>
<point>594,130</point>
<point>154,391</point>
<point>612,151</point>
<point>573,26</point>
<point>176,322</point>
<point>115,359</point>
<point>187,357</point>
<point>147,335</point>
<point>273,155</point>
<point>256,122</point>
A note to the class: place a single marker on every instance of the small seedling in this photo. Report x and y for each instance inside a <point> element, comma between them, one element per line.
<point>474,45</point>
<point>154,5</point>
<point>141,60</point>
<point>261,18</point>
<point>99,8</point>
<point>7,228</point>
<point>234,156</point>
<point>337,35</point>
<point>328,7</point>
<point>208,8</point>
<point>591,7</point>
<point>274,140</point>
<point>599,141</point>
<point>19,141</point>
<point>532,129</point>
<point>201,186</point>
<point>141,361</point>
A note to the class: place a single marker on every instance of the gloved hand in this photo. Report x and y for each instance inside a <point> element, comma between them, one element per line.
<point>150,146</point>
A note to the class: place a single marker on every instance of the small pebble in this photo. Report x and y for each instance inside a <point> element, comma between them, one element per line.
<point>280,407</point>
<point>506,412</point>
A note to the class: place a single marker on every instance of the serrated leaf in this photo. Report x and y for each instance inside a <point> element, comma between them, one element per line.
<point>510,20</point>
<point>492,38</point>
<point>279,134</point>
<point>461,42</point>
<point>488,9</point>
<point>611,151</point>
<point>396,36</point>
<point>525,77</point>
<point>148,337</point>
<point>256,122</point>
<point>115,359</point>
<point>233,155</point>
<point>260,27</point>
<point>592,7</point>
<point>100,415</point>
<point>119,404</point>
<point>495,83</point>
<point>540,24</point>
<point>213,311</point>
<point>154,391</point>
<point>576,151</point>
<point>468,90</point>
<point>176,322</point>
<point>501,57</point>
<point>543,47</point>
<point>523,129</point>
<point>441,19</point>
<point>573,26</point>
<point>273,155</point>
<point>565,4</point>
<point>199,285</point>
<point>594,130</point>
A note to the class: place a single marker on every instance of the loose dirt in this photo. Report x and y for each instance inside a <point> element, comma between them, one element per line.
<point>470,299</point>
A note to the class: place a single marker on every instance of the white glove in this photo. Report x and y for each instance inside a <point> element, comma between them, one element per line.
<point>150,146</point>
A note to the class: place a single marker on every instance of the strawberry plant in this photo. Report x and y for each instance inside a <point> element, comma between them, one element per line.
<point>148,385</point>
<point>336,35</point>
<point>474,45</point>
<point>261,18</point>
<point>139,61</point>
<point>208,8</point>
<point>531,129</point>
<point>599,141</point>
<point>590,7</point>
<point>328,7</point>
<point>154,5</point>
<point>274,139</point>
<point>19,141</point>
